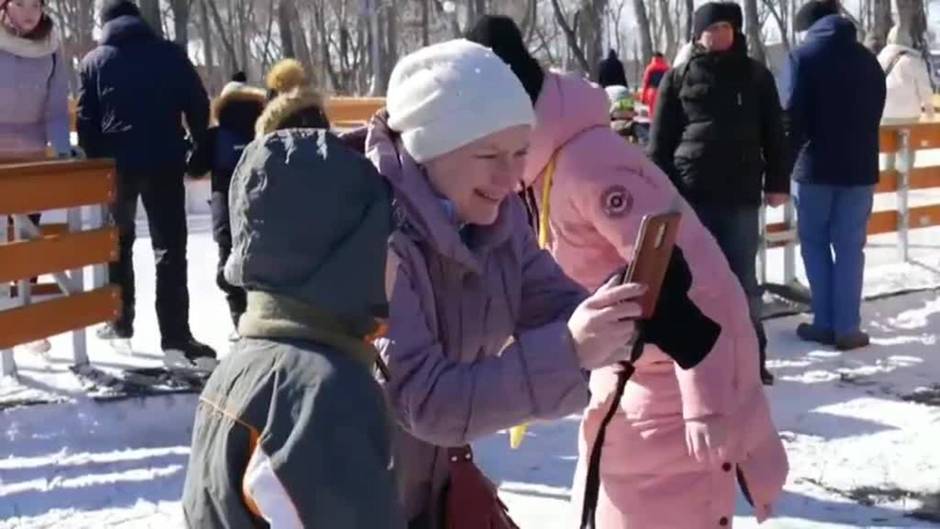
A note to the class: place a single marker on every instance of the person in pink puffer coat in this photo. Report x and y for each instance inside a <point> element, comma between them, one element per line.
<point>680,438</point>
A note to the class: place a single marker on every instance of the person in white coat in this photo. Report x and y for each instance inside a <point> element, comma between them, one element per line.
<point>907,78</point>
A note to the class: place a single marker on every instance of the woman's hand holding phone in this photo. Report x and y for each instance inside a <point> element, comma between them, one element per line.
<point>604,324</point>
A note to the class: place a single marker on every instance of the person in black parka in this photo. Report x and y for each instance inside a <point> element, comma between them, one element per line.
<point>718,133</point>
<point>610,71</point>
<point>135,90</point>
<point>235,113</point>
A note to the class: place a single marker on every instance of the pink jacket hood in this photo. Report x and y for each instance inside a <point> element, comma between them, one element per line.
<point>567,106</point>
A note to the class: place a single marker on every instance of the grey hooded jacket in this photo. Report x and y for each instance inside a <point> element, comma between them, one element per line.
<point>292,428</point>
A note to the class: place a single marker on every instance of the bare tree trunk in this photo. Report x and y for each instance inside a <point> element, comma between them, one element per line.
<point>150,10</point>
<point>643,26</point>
<point>285,11</point>
<point>780,19</point>
<point>594,29</point>
<point>754,34</point>
<point>669,28</point>
<point>221,27</point>
<point>181,13</point>
<point>479,8</point>
<point>208,50</point>
<point>881,12</point>
<point>377,85</point>
<point>571,37</point>
<point>391,32</point>
<point>912,19</point>
<point>425,23</point>
<point>689,15</point>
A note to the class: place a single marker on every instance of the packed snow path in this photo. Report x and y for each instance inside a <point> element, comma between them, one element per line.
<point>860,429</point>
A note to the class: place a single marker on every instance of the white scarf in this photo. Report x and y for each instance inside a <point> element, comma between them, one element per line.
<point>27,48</point>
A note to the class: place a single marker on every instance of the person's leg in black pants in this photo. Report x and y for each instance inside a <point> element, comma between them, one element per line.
<point>235,296</point>
<point>121,272</point>
<point>737,230</point>
<point>222,233</point>
<point>164,198</point>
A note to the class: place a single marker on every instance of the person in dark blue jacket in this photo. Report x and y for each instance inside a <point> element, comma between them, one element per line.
<point>135,90</point>
<point>234,112</point>
<point>834,94</point>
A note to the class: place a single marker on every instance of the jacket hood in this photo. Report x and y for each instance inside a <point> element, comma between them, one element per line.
<point>659,62</point>
<point>832,27</point>
<point>286,107</point>
<point>28,48</point>
<point>567,106</point>
<point>888,54</point>
<point>421,209</point>
<point>238,99</point>
<point>310,221</point>
<point>125,28</point>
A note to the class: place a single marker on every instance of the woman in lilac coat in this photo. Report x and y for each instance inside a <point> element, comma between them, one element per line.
<point>485,329</point>
<point>33,82</point>
<point>34,110</point>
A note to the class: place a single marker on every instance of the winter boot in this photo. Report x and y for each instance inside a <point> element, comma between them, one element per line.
<point>190,353</point>
<point>120,339</point>
<point>852,340</point>
<point>810,333</point>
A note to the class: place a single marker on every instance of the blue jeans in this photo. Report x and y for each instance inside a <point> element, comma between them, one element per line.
<point>833,221</point>
<point>737,230</point>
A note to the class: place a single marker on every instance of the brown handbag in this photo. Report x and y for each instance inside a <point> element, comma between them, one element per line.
<point>472,501</point>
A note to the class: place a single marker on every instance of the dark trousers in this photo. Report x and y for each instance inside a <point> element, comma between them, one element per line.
<point>235,296</point>
<point>164,199</point>
<point>737,230</point>
<point>222,234</point>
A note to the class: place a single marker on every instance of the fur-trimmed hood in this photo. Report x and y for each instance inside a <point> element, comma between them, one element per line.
<point>287,107</point>
<point>29,48</point>
<point>237,98</point>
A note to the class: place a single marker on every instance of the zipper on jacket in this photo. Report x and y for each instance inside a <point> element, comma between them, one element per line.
<point>740,100</point>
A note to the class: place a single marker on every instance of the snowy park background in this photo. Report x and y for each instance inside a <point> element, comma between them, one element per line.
<point>862,429</point>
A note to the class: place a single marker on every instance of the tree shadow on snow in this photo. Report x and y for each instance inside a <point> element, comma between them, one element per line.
<point>94,486</point>
<point>796,506</point>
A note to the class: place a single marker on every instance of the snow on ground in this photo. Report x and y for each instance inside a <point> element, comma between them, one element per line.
<point>849,431</point>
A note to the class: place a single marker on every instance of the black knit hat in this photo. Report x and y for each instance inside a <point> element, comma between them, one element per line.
<point>112,9</point>
<point>715,12</point>
<point>813,11</point>
<point>502,35</point>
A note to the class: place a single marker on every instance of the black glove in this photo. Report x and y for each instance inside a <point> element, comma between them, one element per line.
<point>678,327</point>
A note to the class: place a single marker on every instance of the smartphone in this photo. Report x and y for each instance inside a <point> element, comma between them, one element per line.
<point>651,254</point>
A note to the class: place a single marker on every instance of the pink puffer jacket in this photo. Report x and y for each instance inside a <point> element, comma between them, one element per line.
<point>602,188</point>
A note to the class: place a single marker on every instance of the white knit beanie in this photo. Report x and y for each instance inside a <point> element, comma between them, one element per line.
<point>448,95</point>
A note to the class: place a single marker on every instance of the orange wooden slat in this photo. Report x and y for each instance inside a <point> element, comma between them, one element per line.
<point>25,259</point>
<point>42,289</point>
<point>33,322</point>
<point>353,109</point>
<point>887,181</point>
<point>925,177</point>
<point>47,230</point>
<point>925,216</point>
<point>925,136</point>
<point>26,188</point>
<point>883,222</point>
<point>888,141</point>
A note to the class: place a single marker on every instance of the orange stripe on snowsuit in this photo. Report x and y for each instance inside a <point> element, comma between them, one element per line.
<point>253,438</point>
